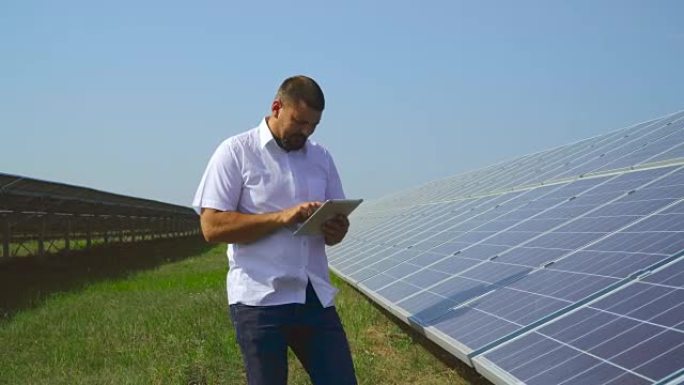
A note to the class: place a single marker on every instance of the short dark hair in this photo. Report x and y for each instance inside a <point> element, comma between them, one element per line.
<point>302,88</point>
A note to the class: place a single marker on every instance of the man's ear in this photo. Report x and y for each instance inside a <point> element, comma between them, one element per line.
<point>275,108</point>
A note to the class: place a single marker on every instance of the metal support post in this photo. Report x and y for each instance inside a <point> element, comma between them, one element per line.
<point>41,235</point>
<point>89,231</point>
<point>67,235</point>
<point>7,235</point>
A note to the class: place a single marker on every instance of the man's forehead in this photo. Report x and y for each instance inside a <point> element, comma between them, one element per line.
<point>297,104</point>
<point>303,112</point>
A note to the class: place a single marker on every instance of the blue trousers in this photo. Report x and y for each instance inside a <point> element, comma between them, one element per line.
<point>314,334</point>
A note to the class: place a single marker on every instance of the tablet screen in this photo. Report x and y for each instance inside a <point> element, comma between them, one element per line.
<point>328,210</point>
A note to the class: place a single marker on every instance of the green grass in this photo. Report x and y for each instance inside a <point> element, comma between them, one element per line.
<point>170,326</point>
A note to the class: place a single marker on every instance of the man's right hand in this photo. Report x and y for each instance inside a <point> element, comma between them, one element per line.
<point>299,213</point>
<point>235,227</point>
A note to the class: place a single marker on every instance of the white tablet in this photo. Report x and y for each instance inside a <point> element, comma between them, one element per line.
<point>328,210</point>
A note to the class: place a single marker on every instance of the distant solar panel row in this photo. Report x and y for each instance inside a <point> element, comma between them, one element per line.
<point>565,266</point>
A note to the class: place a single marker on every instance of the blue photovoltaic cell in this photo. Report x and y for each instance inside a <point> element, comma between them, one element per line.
<point>518,298</point>
<point>364,274</point>
<point>427,258</point>
<point>561,267</point>
<point>542,292</point>
<point>674,153</point>
<point>401,270</point>
<point>491,273</point>
<point>360,261</point>
<point>457,225</point>
<point>397,230</point>
<point>662,233</point>
<point>397,290</point>
<point>387,264</point>
<point>405,255</point>
<point>426,306</point>
<point>636,333</point>
<point>606,263</point>
<point>454,265</point>
<point>426,277</point>
<point>509,216</point>
<point>587,151</point>
<point>610,151</point>
<point>592,220</point>
<point>481,252</point>
<point>650,146</point>
<point>379,281</point>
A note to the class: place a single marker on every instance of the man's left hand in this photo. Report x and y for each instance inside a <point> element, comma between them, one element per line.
<point>335,229</point>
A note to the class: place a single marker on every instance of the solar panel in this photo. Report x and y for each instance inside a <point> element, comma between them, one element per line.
<point>634,335</point>
<point>521,268</point>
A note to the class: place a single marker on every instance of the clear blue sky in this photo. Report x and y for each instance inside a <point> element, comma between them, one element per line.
<point>133,96</point>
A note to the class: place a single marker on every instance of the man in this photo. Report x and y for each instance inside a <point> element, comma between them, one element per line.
<point>257,186</point>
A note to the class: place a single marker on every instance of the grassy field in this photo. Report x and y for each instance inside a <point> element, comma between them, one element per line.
<point>169,325</point>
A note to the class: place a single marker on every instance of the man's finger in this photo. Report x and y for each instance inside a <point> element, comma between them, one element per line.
<point>329,233</point>
<point>343,219</point>
<point>329,229</point>
<point>334,225</point>
<point>332,234</point>
<point>340,219</point>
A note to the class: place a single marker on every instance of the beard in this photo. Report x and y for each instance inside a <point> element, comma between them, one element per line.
<point>294,142</point>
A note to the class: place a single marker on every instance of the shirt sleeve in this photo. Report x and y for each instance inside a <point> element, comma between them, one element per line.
<point>333,188</point>
<point>221,184</point>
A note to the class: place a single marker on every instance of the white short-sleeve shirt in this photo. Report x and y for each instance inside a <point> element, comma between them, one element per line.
<point>249,173</point>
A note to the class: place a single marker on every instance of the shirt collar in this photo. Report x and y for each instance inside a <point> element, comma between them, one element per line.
<point>265,135</point>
